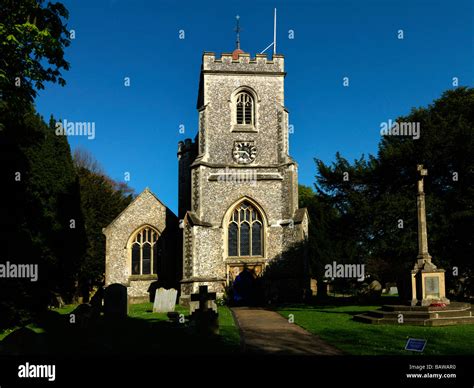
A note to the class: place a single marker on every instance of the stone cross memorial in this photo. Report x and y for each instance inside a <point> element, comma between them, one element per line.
<point>203,298</point>
<point>165,300</point>
<point>206,320</point>
<point>426,279</point>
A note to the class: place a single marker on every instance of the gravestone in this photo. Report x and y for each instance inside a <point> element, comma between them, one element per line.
<point>393,291</point>
<point>97,302</point>
<point>205,319</point>
<point>56,301</point>
<point>115,301</point>
<point>82,316</point>
<point>375,288</point>
<point>314,287</point>
<point>165,300</point>
<point>371,291</point>
<point>87,314</point>
<point>23,341</point>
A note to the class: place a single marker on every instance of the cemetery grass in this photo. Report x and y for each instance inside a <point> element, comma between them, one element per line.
<point>141,333</point>
<point>335,325</point>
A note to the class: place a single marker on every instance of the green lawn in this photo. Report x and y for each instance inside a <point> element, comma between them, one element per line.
<point>142,332</point>
<point>335,325</point>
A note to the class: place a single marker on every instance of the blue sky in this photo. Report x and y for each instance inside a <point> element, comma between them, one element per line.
<point>137,127</point>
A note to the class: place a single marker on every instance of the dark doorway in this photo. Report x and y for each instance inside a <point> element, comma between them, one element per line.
<point>246,288</point>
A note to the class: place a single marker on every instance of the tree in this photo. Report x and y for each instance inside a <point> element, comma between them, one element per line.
<point>41,221</point>
<point>446,149</point>
<point>83,159</point>
<point>324,245</point>
<point>33,37</point>
<point>102,199</point>
<point>377,203</point>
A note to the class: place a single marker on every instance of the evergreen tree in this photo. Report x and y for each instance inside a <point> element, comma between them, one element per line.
<point>42,222</point>
<point>40,216</point>
<point>377,201</point>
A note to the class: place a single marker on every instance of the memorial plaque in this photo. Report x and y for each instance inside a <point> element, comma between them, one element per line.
<point>415,345</point>
<point>432,286</point>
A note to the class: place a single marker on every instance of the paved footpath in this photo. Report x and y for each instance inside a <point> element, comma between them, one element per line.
<point>264,331</point>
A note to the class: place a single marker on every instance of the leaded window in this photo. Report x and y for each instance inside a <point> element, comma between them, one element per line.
<point>245,231</point>
<point>145,252</point>
<point>245,108</point>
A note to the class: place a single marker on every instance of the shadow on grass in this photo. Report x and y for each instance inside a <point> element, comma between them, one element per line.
<point>335,302</point>
<point>331,301</point>
<point>339,329</point>
<point>329,309</point>
<point>129,335</point>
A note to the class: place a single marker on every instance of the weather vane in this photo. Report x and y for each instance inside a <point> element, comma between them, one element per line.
<point>237,29</point>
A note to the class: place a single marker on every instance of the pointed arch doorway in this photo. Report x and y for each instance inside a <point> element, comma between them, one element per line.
<point>246,226</point>
<point>245,284</point>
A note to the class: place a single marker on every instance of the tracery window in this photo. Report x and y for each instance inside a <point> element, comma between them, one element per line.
<point>245,232</point>
<point>245,109</point>
<point>145,252</point>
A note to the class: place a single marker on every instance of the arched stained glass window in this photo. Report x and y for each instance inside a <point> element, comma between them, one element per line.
<point>145,252</point>
<point>245,232</point>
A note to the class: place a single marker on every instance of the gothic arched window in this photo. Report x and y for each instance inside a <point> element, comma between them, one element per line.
<point>145,251</point>
<point>245,232</point>
<point>244,109</point>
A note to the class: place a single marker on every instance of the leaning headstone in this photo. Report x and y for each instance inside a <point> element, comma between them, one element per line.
<point>165,300</point>
<point>56,301</point>
<point>371,291</point>
<point>115,301</point>
<point>375,288</point>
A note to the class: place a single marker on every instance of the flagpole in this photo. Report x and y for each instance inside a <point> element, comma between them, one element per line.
<point>275,32</point>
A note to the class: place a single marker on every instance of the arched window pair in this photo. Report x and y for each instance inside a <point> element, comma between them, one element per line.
<point>146,252</point>
<point>245,111</point>
<point>245,232</point>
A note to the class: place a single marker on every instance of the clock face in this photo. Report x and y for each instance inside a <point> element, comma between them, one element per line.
<point>244,152</point>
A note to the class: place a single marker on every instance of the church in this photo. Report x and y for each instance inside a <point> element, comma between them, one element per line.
<point>238,212</point>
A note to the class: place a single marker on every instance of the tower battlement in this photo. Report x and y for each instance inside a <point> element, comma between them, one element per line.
<point>244,63</point>
<point>186,146</point>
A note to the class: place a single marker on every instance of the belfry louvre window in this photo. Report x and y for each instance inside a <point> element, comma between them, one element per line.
<point>245,232</point>
<point>245,108</point>
<point>145,252</point>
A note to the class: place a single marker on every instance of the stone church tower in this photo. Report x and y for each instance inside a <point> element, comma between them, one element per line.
<point>238,185</point>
